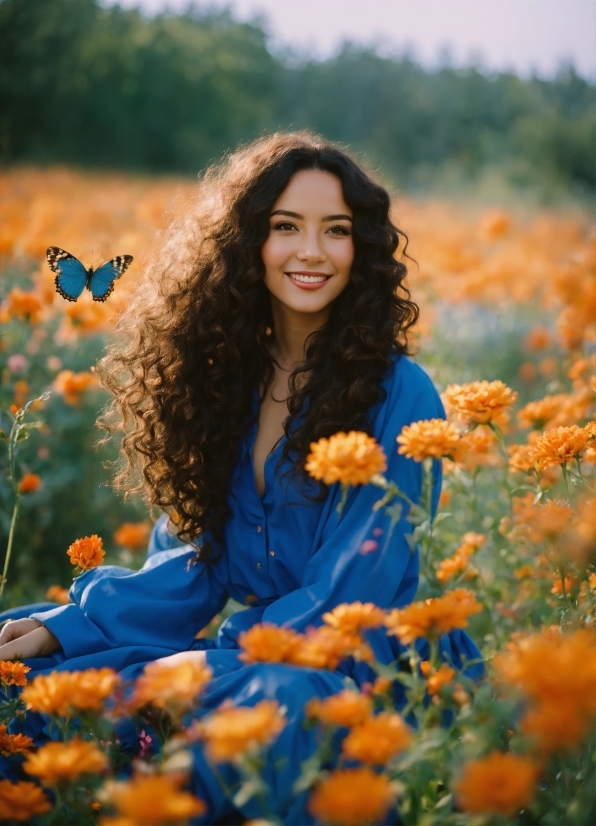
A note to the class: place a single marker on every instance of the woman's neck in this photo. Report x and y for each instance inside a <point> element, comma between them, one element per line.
<point>291,331</point>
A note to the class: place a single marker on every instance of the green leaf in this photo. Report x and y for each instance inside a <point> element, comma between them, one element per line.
<point>248,790</point>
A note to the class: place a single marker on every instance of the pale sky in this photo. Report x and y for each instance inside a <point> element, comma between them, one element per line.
<point>522,35</point>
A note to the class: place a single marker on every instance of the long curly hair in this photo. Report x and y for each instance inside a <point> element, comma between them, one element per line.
<point>194,343</point>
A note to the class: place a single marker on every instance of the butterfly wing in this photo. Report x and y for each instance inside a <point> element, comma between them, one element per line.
<point>102,280</point>
<point>71,275</point>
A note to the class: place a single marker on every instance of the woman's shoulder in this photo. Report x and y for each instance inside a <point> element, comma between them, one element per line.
<point>405,372</point>
<point>410,393</point>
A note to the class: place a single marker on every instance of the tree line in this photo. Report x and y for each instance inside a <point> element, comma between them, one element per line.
<point>113,88</point>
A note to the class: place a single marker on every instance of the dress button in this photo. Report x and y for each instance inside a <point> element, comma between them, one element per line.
<point>259,529</point>
<point>258,564</point>
<point>271,553</point>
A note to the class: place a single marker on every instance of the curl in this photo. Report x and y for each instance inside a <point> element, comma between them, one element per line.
<point>193,343</point>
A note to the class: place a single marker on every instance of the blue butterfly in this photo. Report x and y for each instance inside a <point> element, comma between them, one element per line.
<point>72,277</point>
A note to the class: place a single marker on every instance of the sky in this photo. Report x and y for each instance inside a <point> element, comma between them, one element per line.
<point>523,35</point>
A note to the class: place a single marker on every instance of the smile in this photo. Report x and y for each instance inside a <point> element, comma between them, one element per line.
<point>309,281</point>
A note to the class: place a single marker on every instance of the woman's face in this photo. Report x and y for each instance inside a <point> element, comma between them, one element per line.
<point>310,249</point>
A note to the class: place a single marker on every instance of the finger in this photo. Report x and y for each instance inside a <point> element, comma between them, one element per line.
<point>17,628</point>
<point>12,650</point>
<point>27,645</point>
<point>7,633</point>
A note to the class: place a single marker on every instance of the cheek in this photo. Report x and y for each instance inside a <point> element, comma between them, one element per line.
<point>273,252</point>
<point>344,258</point>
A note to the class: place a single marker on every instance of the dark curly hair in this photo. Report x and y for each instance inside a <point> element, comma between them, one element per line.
<point>196,334</point>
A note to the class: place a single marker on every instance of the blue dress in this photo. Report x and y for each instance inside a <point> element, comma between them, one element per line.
<point>288,558</point>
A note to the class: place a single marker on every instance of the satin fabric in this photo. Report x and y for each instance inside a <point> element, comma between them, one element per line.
<point>289,558</point>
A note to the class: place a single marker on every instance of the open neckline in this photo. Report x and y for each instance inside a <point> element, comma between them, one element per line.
<point>273,450</point>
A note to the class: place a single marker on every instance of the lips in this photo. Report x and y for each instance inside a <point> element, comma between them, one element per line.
<point>308,280</point>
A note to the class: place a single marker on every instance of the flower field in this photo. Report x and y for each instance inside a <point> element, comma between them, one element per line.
<point>508,333</point>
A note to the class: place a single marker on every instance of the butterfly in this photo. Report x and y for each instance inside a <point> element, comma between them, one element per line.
<point>72,277</point>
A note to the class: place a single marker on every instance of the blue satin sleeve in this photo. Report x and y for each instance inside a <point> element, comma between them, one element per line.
<point>162,606</point>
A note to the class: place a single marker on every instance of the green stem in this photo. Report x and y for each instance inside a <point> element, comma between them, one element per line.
<point>566,478</point>
<point>13,523</point>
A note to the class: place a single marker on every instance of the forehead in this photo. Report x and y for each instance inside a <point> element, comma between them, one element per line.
<point>313,191</point>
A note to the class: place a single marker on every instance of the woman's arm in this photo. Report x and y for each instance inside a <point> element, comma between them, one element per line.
<point>163,605</point>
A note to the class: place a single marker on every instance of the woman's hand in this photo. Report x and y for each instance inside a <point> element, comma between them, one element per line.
<point>176,659</point>
<point>24,638</point>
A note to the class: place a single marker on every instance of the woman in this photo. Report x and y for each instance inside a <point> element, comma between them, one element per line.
<point>275,315</point>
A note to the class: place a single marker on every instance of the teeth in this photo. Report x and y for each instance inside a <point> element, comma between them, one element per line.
<point>309,279</point>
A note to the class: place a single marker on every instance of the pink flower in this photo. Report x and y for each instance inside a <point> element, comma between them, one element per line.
<point>368,546</point>
<point>145,743</point>
<point>18,363</point>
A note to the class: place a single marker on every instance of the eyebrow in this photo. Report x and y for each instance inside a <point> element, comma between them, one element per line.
<point>301,217</point>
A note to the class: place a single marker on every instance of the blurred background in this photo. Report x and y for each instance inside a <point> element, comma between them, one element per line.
<point>437,94</point>
<point>478,115</point>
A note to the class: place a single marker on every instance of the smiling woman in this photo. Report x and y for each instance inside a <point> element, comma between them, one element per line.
<point>275,316</point>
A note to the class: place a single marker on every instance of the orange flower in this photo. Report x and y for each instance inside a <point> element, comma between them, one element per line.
<point>21,391</point>
<point>583,544</point>
<point>460,561</point>
<point>13,743</point>
<point>21,304</point>
<point>13,673</point>
<point>267,643</point>
<point>538,339</point>
<point>471,541</point>
<point>231,731</point>
<point>571,583</point>
<point>552,731</point>
<point>552,518</point>
<point>348,708</point>
<point>444,498</point>
<point>55,593</point>
<point>49,693</point>
<point>65,692</point>
<point>350,458</point>
<point>325,647</point>
<point>479,401</point>
<point>151,800</point>
<point>476,448</point>
<point>552,411</point>
<point>495,223</point>
<point>437,679</point>
<point>30,482</point>
<point>521,458</point>
<point>354,616</point>
<point>433,617</point>
<point>87,552</point>
<point>57,762</point>
<point>557,673</point>
<point>496,784</point>
<point>352,797</point>
<point>73,385</point>
<point>133,535</point>
<point>558,446</point>
<point>21,801</point>
<point>428,438</point>
<point>377,739</point>
<point>451,567</point>
<point>90,689</point>
<point>172,687</point>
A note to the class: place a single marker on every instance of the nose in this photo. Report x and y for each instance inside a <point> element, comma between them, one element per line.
<point>310,248</point>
